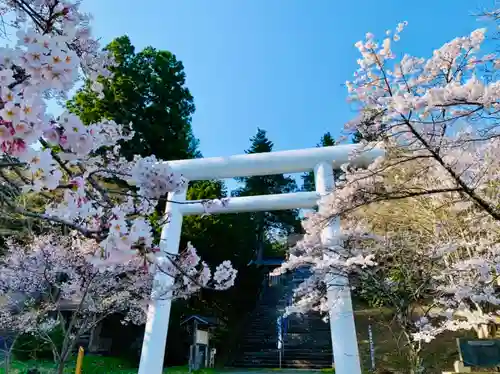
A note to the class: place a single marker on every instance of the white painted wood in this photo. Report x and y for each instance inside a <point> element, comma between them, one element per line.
<point>155,334</point>
<point>342,327</point>
<point>296,200</point>
<point>202,337</point>
<point>284,162</point>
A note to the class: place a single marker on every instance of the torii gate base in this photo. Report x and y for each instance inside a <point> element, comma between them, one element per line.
<point>321,160</point>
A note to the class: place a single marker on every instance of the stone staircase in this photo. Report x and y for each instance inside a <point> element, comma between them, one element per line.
<point>306,339</point>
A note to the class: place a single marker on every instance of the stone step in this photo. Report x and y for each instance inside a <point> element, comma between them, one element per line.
<point>307,341</point>
<point>291,364</point>
<point>301,335</point>
<point>289,353</point>
<point>298,330</point>
<point>324,361</point>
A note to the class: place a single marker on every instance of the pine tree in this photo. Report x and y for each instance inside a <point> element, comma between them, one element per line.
<point>275,223</point>
<point>357,137</point>
<point>308,178</point>
<point>148,89</point>
<point>372,131</point>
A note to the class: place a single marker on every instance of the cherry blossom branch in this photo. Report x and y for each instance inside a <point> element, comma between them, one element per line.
<point>11,164</point>
<point>495,213</point>
<point>45,217</point>
<point>162,199</point>
<point>174,261</point>
<point>54,46</point>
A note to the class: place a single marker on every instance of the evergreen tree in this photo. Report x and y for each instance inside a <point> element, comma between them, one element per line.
<point>373,132</point>
<point>218,238</point>
<point>357,137</point>
<point>308,178</point>
<point>274,223</point>
<point>147,89</point>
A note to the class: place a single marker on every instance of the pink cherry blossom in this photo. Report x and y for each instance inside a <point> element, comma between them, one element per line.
<point>61,153</point>
<point>436,117</point>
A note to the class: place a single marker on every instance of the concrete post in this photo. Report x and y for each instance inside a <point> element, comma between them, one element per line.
<point>342,327</point>
<point>155,334</point>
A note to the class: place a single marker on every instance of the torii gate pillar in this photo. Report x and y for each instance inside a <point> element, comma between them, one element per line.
<point>322,160</point>
<point>341,316</point>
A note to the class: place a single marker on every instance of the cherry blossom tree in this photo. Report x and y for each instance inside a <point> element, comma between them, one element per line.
<point>465,288</point>
<point>430,264</point>
<point>436,272</point>
<point>86,186</point>
<point>437,120</point>
<point>102,251</point>
<point>38,280</point>
<point>442,111</point>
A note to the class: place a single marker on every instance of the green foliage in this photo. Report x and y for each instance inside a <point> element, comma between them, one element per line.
<point>308,178</point>
<point>29,347</point>
<point>275,223</point>
<point>147,89</point>
<point>93,365</point>
<point>97,364</point>
<point>275,249</point>
<point>218,238</point>
<point>373,130</point>
<point>18,226</point>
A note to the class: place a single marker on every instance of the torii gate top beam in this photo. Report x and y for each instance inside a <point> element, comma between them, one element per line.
<point>284,162</point>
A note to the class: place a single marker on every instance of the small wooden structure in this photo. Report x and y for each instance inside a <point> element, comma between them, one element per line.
<point>200,328</point>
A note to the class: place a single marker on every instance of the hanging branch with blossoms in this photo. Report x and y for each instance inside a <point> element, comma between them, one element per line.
<point>68,164</point>
<point>442,111</point>
<point>54,272</point>
<point>437,120</point>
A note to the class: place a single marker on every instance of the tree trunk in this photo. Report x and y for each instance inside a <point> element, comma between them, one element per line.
<point>415,361</point>
<point>60,367</point>
<point>62,360</point>
<point>6,363</point>
<point>484,331</point>
<point>8,354</point>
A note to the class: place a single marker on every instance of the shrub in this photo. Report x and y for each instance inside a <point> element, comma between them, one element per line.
<point>30,347</point>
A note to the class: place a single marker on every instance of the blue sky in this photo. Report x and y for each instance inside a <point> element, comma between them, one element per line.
<point>275,64</point>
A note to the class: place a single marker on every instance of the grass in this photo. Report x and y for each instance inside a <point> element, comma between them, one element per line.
<point>91,365</point>
<point>438,355</point>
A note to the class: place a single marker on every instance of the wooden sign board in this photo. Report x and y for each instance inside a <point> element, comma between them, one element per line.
<point>201,337</point>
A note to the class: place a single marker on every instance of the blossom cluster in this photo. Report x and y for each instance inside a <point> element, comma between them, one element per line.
<point>437,120</point>
<point>62,156</point>
<point>191,274</point>
<point>36,279</point>
<point>53,269</point>
<point>155,179</point>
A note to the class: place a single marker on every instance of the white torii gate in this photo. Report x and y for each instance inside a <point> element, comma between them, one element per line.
<point>321,160</point>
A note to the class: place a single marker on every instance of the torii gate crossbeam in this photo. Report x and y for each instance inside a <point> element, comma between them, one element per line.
<point>322,160</point>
